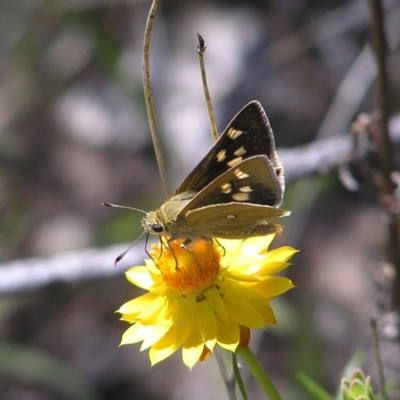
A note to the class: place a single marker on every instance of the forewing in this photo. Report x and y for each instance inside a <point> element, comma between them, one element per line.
<point>252,181</point>
<point>247,135</point>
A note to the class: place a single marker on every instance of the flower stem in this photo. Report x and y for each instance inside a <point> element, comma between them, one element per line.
<point>259,374</point>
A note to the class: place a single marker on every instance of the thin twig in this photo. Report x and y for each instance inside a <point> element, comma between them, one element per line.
<point>381,375</point>
<point>381,135</point>
<point>201,48</point>
<point>149,98</point>
<point>382,141</point>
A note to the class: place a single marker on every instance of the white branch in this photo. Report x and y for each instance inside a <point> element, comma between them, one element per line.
<point>31,274</point>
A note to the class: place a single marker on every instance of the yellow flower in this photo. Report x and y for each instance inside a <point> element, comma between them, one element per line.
<point>210,293</point>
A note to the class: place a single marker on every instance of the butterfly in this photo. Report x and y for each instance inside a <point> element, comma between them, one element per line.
<point>233,192</point>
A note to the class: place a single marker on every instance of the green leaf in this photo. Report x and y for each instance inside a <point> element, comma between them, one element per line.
<point>317,391</point>
<point>238,377</point>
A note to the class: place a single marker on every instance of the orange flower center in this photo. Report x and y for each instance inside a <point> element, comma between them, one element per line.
<point>189,270</point>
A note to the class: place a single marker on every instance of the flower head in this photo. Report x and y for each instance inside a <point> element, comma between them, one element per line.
<point>211,292</point>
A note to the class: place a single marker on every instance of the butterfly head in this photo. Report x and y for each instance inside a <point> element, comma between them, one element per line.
<point>151,223</point>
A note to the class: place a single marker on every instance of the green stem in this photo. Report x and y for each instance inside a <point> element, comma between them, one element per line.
<point>259,374</point>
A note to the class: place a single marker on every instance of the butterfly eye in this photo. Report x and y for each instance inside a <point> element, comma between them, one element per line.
<point>158,228</point>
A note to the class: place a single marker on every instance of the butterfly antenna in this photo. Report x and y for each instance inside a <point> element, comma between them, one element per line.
<point>201,48</point>
<point>124,207</point>
<point>122,255</point>
<point>149,97</point>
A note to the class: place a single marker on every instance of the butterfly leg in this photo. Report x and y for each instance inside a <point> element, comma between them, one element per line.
<point>163,243</point>
<point>185,243</point>
<point>207,239</point>
<point>210,240</point>
<point>193,254</point>
<point>145,248</point>
<point>171,249</point>
<point>220,245</point>
<point>148,253</point>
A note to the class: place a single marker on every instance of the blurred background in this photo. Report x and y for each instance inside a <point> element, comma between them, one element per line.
<point>74,133</point>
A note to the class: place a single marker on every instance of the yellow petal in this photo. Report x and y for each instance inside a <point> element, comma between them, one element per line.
<point>281,254</point>
<point>240,292</point>
<point>137,305</point>
<point>134,334</point>
<point>231,248</point>
<point>190,355</point>
<point>214,297</point>
<point>152,267</point>
<point>181,316</point>
<point>183,321</point>
<point>148,315</point>
<point>228,335</point>
<point>245,315</point>
<point>240,302</point>
<point>192,349</point>
<point>273,286</point>
<point>256,245</point>
<point>180,325</point>
<point>267,314</point>
<point>158,355</point>
<point>166,341</point>
<point>152,312</point>
<point>243,276</point>
<point>269,263</point>
<point>206,321</point>
<point>156,334</point>
<point>140,277</point>
<point>271,268</point>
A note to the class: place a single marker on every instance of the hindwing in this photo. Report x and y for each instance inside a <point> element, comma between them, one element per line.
<point>252,181</point>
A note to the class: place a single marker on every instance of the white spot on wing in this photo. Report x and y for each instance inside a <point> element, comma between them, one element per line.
<point>240,174</point>
<point>234,133</point>
<point>234,162</point>
<point>221,155</point>
<point>240,151</point>
<point>241,196</point>
<point>245,189</point>
<point>226,188</point>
